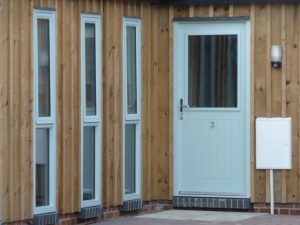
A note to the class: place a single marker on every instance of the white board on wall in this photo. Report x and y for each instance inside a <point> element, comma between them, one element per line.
<point>274,143</point>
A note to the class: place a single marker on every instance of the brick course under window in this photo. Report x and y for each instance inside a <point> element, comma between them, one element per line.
<point>283,209</point>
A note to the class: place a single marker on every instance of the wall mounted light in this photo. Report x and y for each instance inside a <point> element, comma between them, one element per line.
<point>276,56</point>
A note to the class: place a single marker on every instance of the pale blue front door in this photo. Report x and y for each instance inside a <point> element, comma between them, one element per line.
<point>211,109</point>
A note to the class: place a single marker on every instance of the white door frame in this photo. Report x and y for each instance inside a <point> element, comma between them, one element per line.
<point>179,63</point>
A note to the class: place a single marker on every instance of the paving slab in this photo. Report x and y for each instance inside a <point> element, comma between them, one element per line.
<point>199,217</point>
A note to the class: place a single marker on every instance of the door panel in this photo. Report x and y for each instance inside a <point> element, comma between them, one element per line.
<point>210,108</point>
<point>211,157</point>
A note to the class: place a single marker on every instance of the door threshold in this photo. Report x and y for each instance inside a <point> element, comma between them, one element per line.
<point>211,202</point>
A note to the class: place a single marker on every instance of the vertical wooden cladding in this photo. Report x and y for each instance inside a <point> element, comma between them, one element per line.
<point>16,108</point>
<point>68,106</point>
<point>112,103</point>
<point>68,96</point>
<point>159,110</point>
<point>276,91</point>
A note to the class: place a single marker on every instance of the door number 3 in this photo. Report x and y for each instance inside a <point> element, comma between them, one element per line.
<point>212,125</point>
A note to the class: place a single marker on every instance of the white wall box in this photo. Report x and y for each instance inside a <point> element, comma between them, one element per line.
<point>274,143</point>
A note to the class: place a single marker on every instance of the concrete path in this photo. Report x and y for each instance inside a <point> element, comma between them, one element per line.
<point>192,217</point>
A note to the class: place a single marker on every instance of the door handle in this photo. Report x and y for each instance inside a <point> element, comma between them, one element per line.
<point>181,107</point>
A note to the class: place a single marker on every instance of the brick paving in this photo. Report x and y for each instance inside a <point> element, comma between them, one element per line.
<point>262,219</point>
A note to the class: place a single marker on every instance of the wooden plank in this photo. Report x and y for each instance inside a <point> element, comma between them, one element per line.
<point>242,10</point>
<point>180,11</point>
<point>112,103</point>
<point>2,102</point>
<point>221,10</point>
<point>276,87</point>
<point>146,96</point>
<point>112,119</point>
<point>134,7</point>
<point>74,148</point>
<point>292,90</point>
<point>113,131</point>
<point>298,10</point>
<point>269,83</point>
<point>170,92</point>
<point>283,88</point>
<point>7,113</point>
<point>125,7</point>
<point>85,8</point>
<point>14,108</point>
<point>162,113</point>
<point>101,7</point>
<point>76,52</point>
<point>276,73</point>
<point>36,3</point>
<point>4,69</point>
<point>65,77</point>
<point>141,9</point>
<point>68,106</point>
<point>191,11</point>
<point>25,96</point>
<point>260,91</point>
<point>153,99</point>
<point>130,8</point>
<point>106,170</point>
<point>45,3</point>
<point>88,6</point>
<point>118,102</point>
<point>211,10</point>
<point>230,10</point>
<point>201,11</point>
<point>94,5</point>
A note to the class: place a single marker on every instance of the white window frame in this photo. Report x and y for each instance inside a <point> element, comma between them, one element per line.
<point>45,122</point>
<point>132,118</point>
<point>95,120</point>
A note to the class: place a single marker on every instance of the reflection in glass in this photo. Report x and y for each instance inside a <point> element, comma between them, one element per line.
<point>42,167</point>
<point>43,68</point>
<point>130,158</point>
<point>88,162</point>
<point>212,71</point>
<point>90,69</point>
<point>131,70</point>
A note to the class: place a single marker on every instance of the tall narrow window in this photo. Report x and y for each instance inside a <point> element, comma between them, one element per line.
<point>91,113</point>
<point>131,109</point>
<point>44,113</point>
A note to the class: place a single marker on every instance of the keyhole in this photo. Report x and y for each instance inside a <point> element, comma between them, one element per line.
<point>212,125</point>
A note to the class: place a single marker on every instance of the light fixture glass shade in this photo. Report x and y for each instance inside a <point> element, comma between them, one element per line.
<point>276,56</point>
<point>276,53</point>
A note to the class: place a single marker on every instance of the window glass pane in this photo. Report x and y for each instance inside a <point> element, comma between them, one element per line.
<point>131,71</point>
<point>44,68</point>
<point>130,158</point>
<point>212,71</point>
<point>42,166</point>
<point>90,69</point>
<point>88,162</point>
